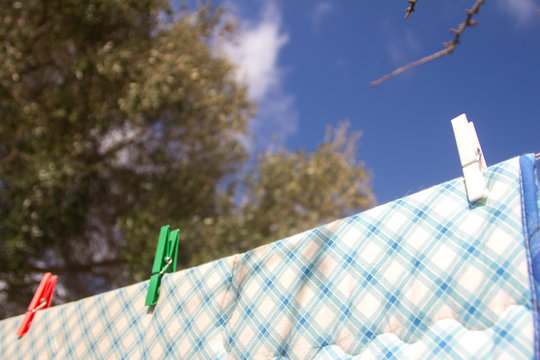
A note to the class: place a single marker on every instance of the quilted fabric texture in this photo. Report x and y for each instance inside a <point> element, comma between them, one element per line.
<point>426,276</point>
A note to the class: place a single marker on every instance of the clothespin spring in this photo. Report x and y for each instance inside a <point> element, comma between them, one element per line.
<point>41,305</point>
<point>169,262</point>
<point>477,160</point>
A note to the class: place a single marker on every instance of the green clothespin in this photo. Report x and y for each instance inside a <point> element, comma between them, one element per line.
<point>165,261</point>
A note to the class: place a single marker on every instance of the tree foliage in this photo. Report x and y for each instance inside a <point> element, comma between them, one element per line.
<point>120,116</point>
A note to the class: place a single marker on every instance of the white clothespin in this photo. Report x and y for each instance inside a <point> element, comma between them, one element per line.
<point>472,158</point>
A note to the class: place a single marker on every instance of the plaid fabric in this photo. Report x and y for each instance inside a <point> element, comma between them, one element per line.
<point>425,276</point>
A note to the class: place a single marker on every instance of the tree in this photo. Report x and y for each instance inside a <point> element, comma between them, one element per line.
<point>121,116</point>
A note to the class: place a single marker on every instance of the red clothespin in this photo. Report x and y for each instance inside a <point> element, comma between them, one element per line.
<point>41,300</point>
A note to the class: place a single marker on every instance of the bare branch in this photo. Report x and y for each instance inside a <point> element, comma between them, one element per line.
<point>448,46</point>
<point>77,268</point>
<point>410,9</point>
<point>414,64</point>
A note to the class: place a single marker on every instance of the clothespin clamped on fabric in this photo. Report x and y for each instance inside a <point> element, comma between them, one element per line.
<point>41,300</point>
<point>471,157</point>
<point>165,261</point>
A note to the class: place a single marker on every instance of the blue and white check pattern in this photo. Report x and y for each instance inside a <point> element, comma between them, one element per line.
<point>426,276</point>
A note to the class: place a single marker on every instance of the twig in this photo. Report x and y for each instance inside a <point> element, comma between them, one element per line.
<point>77,267</point>
<point>448,46</point>
<point>410,9</point>
<point>414,64</point>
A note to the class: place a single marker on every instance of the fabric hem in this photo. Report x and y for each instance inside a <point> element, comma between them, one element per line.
<point>530,216</point>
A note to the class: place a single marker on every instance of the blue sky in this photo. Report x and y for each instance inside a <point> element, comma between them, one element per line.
<point>310,63</point>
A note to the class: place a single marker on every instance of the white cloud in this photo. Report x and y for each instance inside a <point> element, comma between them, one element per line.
<point>522,10</point>
<point>402,48</point>
<point>319,11</point>
<point>402,45</point>
<point>256,53</point>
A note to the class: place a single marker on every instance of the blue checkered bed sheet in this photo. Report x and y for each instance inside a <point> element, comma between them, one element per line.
<point>426,276</point>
